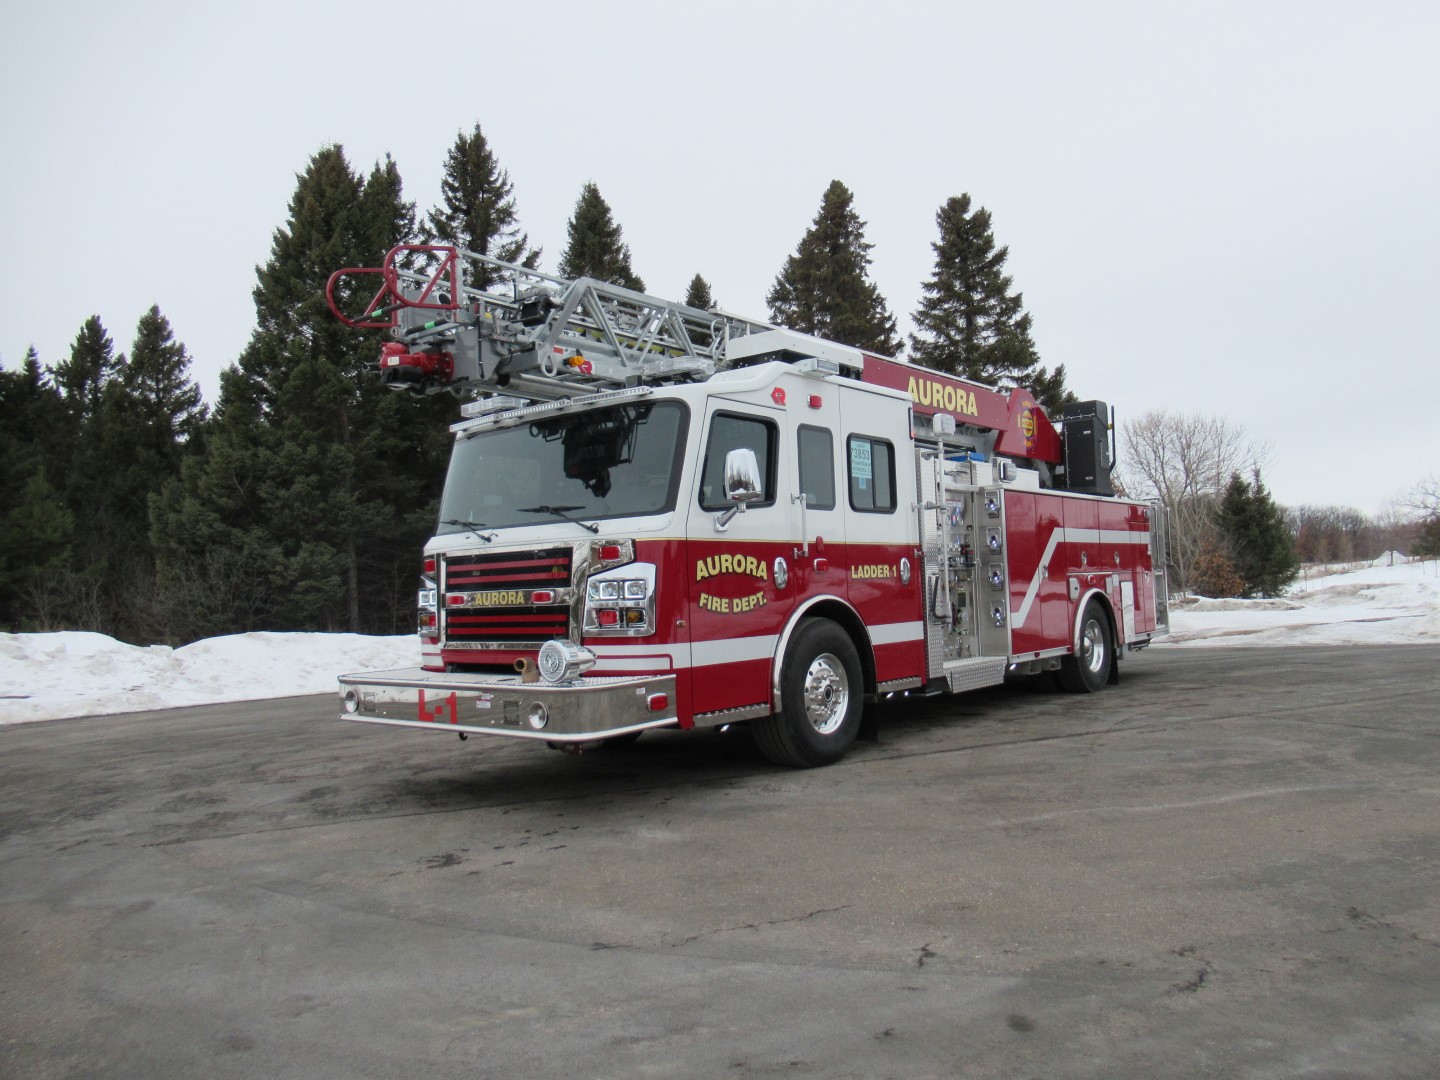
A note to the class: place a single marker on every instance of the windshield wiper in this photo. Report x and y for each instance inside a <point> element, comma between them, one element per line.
<point>470,526</point>
<point>562,512</point>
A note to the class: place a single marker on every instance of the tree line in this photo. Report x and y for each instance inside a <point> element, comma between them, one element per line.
<point>302,499</point>
<point>1226,536</point>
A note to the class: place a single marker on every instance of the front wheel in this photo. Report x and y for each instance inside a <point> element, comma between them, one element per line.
<point>1089,669</point>
<point>821,690</point>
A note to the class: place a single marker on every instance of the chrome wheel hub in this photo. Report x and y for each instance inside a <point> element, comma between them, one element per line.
<point>1092,647</point>
<point>827,693</point>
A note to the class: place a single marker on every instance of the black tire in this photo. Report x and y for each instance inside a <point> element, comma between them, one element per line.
<point>821,695</point>
<point>1089,669</point>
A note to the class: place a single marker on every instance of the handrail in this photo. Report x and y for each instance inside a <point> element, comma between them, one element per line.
<point>390,298</point>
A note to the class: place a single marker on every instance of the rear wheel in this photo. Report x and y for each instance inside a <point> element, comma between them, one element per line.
<point>821,691</point>
<point>1089,669</point>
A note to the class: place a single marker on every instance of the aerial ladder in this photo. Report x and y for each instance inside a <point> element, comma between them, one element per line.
<point>532,337</point>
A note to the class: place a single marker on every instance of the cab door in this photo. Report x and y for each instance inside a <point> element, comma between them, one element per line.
<point>735,606</point>
<point>819,561</point>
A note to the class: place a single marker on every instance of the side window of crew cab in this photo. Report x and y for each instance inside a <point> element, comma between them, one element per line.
<point>872,474</point>
<point>731,431</point>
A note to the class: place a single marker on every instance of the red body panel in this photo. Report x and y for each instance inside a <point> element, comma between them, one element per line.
<point>1024,429</point>
<point>1062,547</point>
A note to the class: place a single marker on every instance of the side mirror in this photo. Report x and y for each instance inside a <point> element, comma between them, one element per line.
<point>742,476</point>
<point>742,483</point>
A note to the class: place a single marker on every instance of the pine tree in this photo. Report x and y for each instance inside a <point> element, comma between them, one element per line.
<point>698,294</point>
<point>82,594</point>
<point>92,365</point>
<point>150,412</point>
<point>594,248</point>
<point>160,394</point>
<point>1427,540</point>
<point>318,483</point>
<point>33,417</point>
<point>969,321</point>
<point>1257,537</point>
<point>479,208</point>
<point>824,288</point>
<point>35,525</point>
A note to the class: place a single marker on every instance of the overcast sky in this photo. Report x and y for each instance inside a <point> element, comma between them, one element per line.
<point>1230,209</point>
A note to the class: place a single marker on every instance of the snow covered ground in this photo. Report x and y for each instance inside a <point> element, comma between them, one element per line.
<point>49,676</point>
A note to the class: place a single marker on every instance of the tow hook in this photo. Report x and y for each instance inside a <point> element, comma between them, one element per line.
<point>576,747</point>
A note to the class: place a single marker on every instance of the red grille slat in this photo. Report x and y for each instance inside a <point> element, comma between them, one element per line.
<point>502,563</point>
<point>476,579</point>
<point>539,616</point>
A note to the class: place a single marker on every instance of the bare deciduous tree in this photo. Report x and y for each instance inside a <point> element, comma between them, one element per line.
<point>1184,461</point>
<point>1424,499</point>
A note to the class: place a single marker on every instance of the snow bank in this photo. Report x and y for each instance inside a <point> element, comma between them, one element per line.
<point>1376,604</point>
<point>47,676</point>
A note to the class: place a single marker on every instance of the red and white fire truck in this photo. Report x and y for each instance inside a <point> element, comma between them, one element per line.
<point>662,517</point>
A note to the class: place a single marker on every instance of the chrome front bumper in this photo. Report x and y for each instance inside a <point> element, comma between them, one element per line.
<point>582,710</point>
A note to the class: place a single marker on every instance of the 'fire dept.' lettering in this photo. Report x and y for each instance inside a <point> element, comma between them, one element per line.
<point>731,605</point>
<point>746,565</point>
<point>938,395</point>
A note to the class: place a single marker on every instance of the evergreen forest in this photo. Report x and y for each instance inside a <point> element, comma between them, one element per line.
<point>300,499</point>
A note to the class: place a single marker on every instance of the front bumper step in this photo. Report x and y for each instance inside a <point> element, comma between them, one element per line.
<point>588,708</point>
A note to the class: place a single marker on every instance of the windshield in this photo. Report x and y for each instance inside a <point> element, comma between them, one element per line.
<point>620,461</point>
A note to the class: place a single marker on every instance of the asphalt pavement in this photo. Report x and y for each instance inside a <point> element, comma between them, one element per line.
<point>1226,866</point>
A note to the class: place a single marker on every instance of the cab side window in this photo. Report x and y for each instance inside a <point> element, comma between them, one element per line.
<point>871,469</point>
<point>730,431</point>
<point>816,454</point>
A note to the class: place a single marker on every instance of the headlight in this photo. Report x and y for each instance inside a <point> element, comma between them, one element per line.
<point>621,601</point>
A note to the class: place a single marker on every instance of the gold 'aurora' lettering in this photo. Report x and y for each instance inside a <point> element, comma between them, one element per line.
<point>508,598</point>
<point>731,564</point>
<point>939,395</point>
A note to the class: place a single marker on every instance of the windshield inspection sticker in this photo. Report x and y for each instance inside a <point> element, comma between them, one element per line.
<point>860,467</point>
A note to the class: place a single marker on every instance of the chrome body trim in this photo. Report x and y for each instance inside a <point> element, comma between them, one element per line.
<point>587,708</point>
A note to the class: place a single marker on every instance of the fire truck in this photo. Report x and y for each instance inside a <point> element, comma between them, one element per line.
<point>662,517</point>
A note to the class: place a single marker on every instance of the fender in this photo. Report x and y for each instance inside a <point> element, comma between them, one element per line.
<point>1115,629</point>
<point>777,662</point>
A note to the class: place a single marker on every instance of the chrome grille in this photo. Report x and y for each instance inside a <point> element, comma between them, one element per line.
<point>489,598</point>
